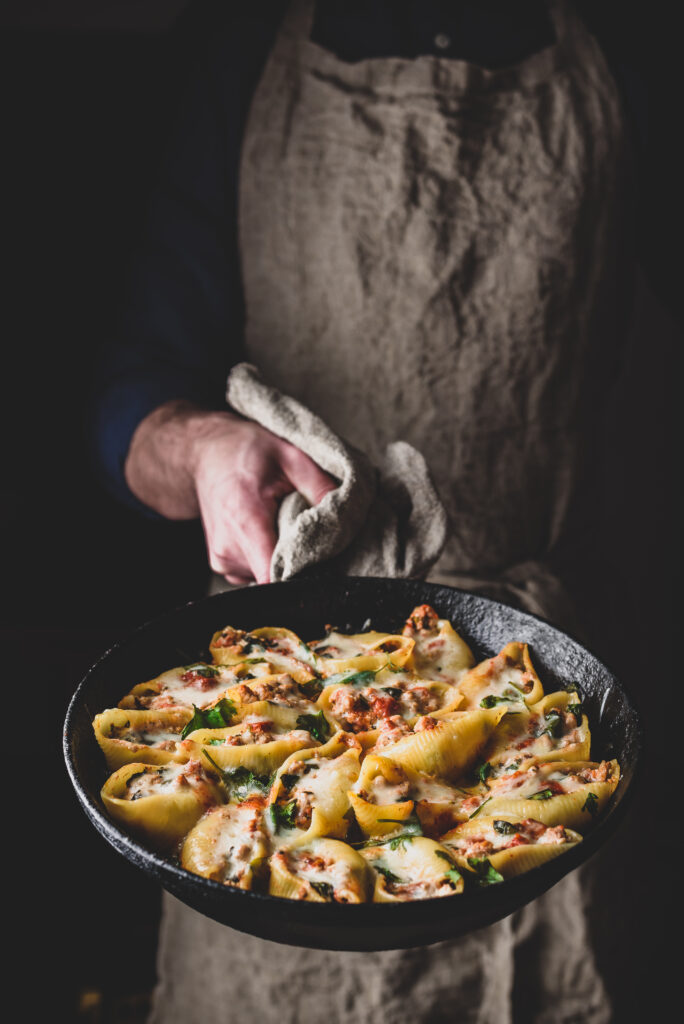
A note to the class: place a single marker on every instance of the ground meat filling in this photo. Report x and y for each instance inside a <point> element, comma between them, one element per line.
<point>509,836</point>
<point>156,781</point>
<point>367,709</point>
<point>280,689</point>
<point>422,621</point>
<point>161,737</point>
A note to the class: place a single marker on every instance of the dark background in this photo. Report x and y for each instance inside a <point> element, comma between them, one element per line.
<point>90,92</point>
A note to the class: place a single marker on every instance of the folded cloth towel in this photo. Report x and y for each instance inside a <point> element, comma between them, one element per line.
<point>387,521</point>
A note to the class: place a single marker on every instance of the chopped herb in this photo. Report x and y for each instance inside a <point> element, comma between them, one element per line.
<point>543,794</point>
<point>591,804</point>
<point>282,815</point>
<point>576,710</point>
<point>453,875</point>
<point>306,654</point>
<point>352,678</point>
<point>289,780</point>
<point>215,743</point>
<point>208,671</point>
<point>485,873</point>
<point>553,724</point>
<point>316,724</point>
<point>504,828</point>
<point>323,889</point>
<point>216,717</point>
<point>490,701</point>
<point>484,771</point>
<point>135,775</point>
<point>411,827</point>
<point>393,691</point>
<point>389,875</point>
<point>477,811</point>
<point>240,782</point>
<point>311,688</point>
<point>571,688</point>
<point>511,766</point>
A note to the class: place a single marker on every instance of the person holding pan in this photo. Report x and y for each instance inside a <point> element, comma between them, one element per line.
<point>410,217</point>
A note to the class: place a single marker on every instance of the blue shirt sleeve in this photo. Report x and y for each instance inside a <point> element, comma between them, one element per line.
<point>181,325</point>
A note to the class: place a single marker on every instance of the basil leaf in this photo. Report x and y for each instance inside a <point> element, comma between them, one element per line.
<point>323,889</point>
<point>591,804</point>
<point>504,828</point>
<point>240,782</point>
<point>553,724</point>
<point>289,780</point>
<point>351,678</point>
<point>217,717</point>
<point>576,710</point>
<point>490,701</point>
<point>208,671</point>
<point>389,875</point>
<point>282,815</point>
<point>453,875</point>
<point>543,794</point>
<point>477,811</point>
<point>484,771</point>
<point>485,873</point>
<point>411,827</point>
<point>316,724</point>
<point>311,688</point>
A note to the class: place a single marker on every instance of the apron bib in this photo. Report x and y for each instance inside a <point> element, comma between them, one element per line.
<point>430,253</point>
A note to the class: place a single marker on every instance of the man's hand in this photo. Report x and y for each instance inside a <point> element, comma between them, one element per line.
<point>185,461</point>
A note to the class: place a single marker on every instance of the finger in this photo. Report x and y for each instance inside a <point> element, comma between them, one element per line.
<point>259,542</point>
<point>304,475</point>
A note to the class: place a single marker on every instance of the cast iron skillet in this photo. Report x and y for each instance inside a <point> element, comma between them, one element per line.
<point>306,606</point>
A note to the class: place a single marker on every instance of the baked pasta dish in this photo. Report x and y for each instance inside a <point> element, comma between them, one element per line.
<point>368,767</point>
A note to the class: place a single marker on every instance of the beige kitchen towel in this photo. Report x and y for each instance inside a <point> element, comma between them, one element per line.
<point>381,521</point>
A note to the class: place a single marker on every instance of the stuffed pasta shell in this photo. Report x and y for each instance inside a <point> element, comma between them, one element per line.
<point>568,793</point>
<point>438,651</point>
<point>150,737</point>
<point>320,871</point>
<point>264,737</point>
<point>361,652</point>
<point>387,793</point>
<point>412,869</point>
<point>310,793</point>
<point>229,843</point>
<point>445,747</point>
<point>198,684</point>
<point>160,803</point>
<point>280,649</point>
<point>371,703</point>
<point>507,845</point>
<point>553,729</point>
<point>509,679</point>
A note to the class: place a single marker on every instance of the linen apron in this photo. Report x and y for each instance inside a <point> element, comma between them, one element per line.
<point>430,252</point>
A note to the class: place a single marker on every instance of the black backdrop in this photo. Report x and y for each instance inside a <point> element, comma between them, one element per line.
<point>89,99</point>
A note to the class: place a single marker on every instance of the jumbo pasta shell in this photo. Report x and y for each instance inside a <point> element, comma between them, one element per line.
<point>160,819</point>
<point>451,747</point>
<point>118,751</point>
